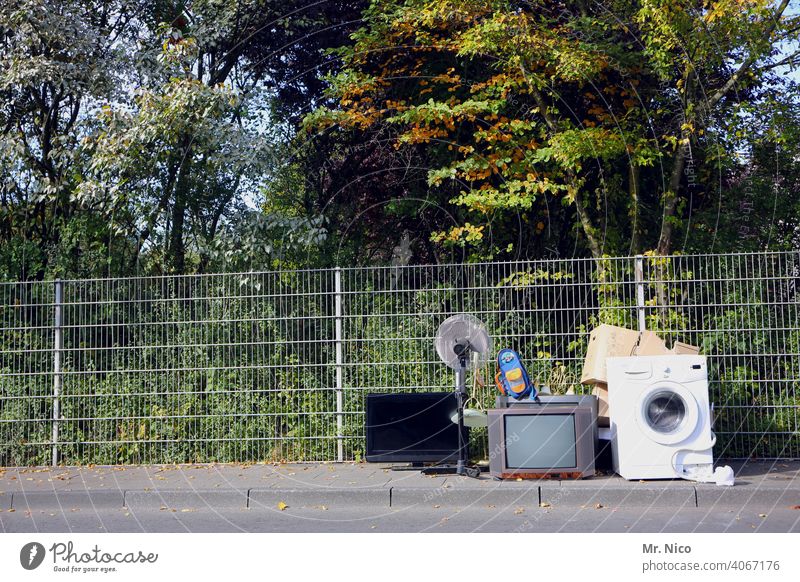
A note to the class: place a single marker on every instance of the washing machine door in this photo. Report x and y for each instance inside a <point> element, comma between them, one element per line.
<point>667,413</point>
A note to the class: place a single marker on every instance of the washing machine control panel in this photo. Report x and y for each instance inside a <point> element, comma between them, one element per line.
<point>682,368</point>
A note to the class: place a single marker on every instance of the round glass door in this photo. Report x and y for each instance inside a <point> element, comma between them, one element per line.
<point>668,413</point>
<point>665,411</point>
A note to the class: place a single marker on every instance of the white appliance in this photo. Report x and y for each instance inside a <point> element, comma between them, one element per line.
<point>660,416</point>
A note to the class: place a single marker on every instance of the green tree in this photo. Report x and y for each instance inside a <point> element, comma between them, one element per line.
<point>57,61</point>
<point>521,107</point>
<point>138,135</point>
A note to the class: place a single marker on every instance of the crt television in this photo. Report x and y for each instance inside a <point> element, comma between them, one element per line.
<point>555,400</point>
<point>535,442</point>
<point>412,428</point>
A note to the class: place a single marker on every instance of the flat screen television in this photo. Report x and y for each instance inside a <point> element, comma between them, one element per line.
<point>537,442</point>
<point>412,428</point>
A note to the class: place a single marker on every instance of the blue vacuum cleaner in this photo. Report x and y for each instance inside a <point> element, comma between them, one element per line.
<point>512,378</point>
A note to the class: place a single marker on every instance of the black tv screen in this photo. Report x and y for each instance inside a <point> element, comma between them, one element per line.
<point>412,428</point>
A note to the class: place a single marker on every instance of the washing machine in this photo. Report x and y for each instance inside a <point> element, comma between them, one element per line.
<point>660,416</point>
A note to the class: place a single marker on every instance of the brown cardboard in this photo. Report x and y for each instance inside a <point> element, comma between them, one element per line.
<point>600,390</point>
<point>650,344</point>
<point>606,341</point>
<point>682,348</point>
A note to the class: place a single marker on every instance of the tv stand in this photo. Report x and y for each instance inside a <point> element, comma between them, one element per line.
<point>470,470</point>
<point>415,466</point>
<point>467,470</point>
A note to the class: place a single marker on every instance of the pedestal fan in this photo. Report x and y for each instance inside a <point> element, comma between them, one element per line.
<point>462,342</point>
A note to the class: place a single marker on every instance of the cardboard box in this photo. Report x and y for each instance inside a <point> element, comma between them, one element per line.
<point>606,341</point>
<point>603,417</point>
<point>687,349</point>
<point>650,344</point>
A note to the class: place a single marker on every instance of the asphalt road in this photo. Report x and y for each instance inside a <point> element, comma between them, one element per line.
<point>417,519</point>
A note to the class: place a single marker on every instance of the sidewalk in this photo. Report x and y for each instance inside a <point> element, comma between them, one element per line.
<point>183,487</point>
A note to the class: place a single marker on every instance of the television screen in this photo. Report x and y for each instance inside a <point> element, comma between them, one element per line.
<point>412,427</point>
<point>543,440</point>
<point>540,441</point>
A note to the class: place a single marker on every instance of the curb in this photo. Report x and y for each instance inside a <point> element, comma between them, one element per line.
<point>766,497</point>
<point>672,497</point>
<point>429,497</point>
<point>83,500</point>
<point>270,498</point>
<point>701,496</point>
<point>185,499</point>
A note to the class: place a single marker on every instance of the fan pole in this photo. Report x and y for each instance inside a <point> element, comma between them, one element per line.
<point>461,389</point>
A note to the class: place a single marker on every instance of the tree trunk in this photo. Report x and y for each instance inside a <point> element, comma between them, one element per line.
<point>177,247</point>
<point>583,214</point>
<point>633,188</point>
<point>588,228</point>
<point>671,197</point>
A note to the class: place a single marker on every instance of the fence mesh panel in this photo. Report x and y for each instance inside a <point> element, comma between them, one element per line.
<point>276,365</point>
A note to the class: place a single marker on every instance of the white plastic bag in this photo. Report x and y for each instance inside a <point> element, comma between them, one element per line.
<point>722,476</point>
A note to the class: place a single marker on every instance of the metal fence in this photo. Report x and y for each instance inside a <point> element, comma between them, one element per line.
<point>276,365</point>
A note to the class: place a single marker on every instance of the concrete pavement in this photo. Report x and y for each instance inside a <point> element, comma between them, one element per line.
<point>372,498</point>
<point>760,485</point>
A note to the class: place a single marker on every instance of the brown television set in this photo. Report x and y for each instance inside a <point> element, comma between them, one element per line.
<point>539,442</point>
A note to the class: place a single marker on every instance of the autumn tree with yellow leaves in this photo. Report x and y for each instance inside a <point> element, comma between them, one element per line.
<point>595,118</point>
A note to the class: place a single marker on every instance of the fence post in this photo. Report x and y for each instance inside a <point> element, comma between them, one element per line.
<point>337,273</point>
<point>58,345</point>
<point>638,273</point>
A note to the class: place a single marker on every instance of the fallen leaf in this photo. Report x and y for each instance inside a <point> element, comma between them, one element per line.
<point>282,506</point>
